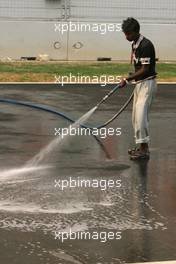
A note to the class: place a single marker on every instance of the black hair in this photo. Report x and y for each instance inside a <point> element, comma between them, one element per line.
<point>130,25</point>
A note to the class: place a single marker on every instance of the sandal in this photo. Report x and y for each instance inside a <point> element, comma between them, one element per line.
<point>140,155</point>
<point>133,150</point>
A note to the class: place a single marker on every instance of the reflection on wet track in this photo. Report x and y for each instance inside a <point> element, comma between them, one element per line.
<point>32,208</point>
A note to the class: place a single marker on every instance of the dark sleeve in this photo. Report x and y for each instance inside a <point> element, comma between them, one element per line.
<point>147,53</point>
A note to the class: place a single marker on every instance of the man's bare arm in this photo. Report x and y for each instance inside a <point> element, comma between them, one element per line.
<point>140,73</point>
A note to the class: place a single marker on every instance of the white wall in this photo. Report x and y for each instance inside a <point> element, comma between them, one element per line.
<point>31,38</point>
<point>33,9</point>
<point>27,28</point>
<point>147,11</point>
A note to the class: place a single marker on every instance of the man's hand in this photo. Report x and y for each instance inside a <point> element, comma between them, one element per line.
<point>123,83</point>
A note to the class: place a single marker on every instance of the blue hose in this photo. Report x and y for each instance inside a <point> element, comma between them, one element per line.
<point>36,106</point>
<point>47,109</point>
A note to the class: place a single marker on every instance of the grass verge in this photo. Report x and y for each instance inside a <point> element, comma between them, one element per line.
<point>46,72</point>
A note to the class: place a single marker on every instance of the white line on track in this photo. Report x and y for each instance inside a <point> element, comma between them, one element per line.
<point>71,83</point>
<point>157,262</point>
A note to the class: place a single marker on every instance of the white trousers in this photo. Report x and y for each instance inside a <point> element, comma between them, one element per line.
<point>143,96</point>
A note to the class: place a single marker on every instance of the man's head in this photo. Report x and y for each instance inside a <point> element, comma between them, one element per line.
<point>131,29</point>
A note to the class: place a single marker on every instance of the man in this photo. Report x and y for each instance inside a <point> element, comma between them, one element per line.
<point>143,58</point>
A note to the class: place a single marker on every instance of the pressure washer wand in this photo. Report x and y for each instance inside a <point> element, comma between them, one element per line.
<point>108,95</point>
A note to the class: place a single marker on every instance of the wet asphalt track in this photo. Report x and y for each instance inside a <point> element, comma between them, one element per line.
<point>32,209</point>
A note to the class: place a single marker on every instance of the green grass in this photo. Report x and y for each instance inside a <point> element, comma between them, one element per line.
<point>64,69</point>
<point>165,71</point>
